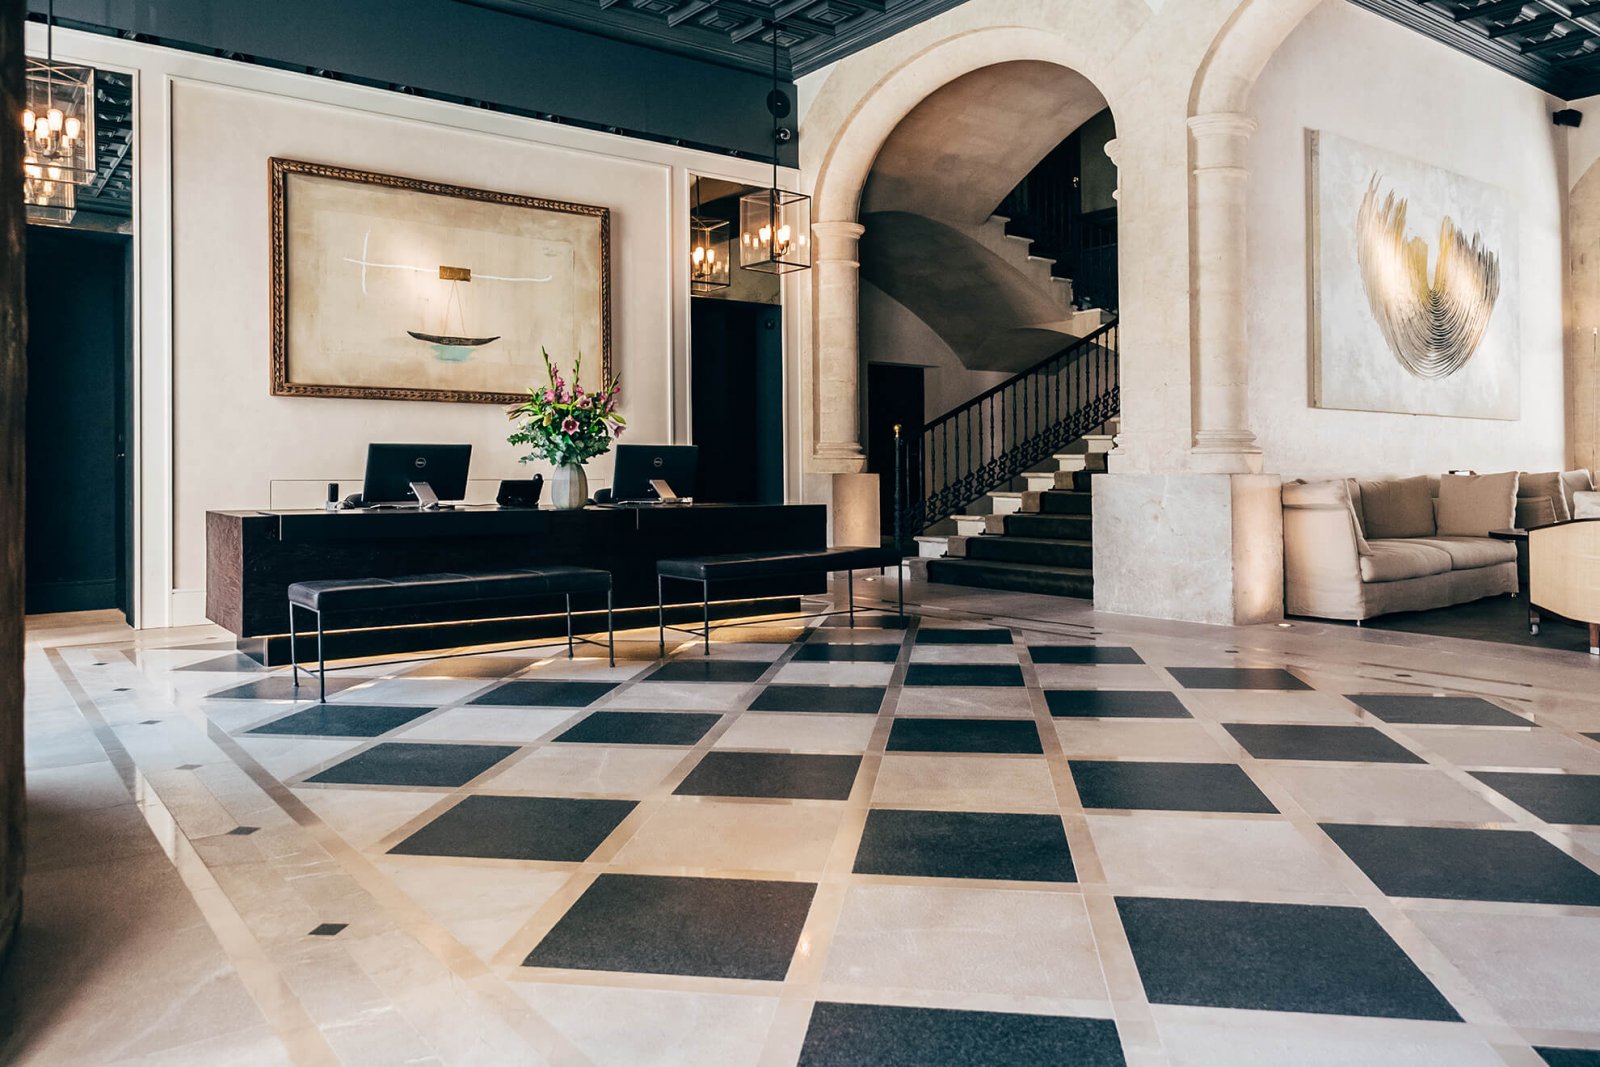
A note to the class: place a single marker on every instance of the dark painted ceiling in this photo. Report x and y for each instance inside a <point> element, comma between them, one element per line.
<point>735,33</point>
<point>1551,44</point>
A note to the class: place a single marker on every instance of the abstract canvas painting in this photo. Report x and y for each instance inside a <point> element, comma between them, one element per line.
<point>1413,286</point>
<point>401,289</point>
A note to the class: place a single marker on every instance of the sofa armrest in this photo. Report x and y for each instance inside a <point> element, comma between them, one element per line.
<point>1321,561</point>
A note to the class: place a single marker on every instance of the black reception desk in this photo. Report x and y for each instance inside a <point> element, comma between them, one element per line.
<point>253,556</point>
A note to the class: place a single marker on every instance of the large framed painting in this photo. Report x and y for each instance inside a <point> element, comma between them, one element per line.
<point>399,289</point>
<point>1414,301</point>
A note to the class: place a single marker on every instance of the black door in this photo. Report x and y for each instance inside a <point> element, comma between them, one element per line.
<point>738,400</point>
<point>79,493</point>
<point>894,398</point>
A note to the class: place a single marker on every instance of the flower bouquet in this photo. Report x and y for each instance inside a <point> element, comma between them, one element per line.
<point>567,426</point>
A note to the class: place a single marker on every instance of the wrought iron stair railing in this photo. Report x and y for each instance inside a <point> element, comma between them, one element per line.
<point>998,435</point>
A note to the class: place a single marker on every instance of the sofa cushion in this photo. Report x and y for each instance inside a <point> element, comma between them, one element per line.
<point>1327,496</point>
<point>1546,486</point>
<point>1467,553</point>
<point>1397,560</point>
<point>1397,507</point>
<point>1535,511</point>
<point>1578,481</point>
<point>1470,505</point>
<point>1586,505</point>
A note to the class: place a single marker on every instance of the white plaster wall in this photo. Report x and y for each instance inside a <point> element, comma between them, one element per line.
<point>1353,73</point>
<point>892,334</point>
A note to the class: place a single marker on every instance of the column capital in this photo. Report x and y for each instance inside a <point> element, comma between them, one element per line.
<point>1221,124</point>
<point>843,228</point>
<point>1219,143</point>
<point>1113,150</point>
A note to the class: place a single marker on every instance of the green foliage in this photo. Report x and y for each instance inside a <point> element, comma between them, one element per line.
<point>563,423</point>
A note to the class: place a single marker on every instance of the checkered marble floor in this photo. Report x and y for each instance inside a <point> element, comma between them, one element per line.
<point>1007,830</point>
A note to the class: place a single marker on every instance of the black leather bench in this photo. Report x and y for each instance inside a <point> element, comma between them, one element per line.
<point>338,595</point>
<point>743,566</point>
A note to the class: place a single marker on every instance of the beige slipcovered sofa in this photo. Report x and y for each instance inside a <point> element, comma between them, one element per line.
<point>1355,549</point>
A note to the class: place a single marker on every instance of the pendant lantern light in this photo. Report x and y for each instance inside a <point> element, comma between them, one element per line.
<point>708,250</point>
<point>775,224</point>
<point>57,132</point>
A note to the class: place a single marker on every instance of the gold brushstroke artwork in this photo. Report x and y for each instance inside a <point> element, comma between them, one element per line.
<point>1433,325</point>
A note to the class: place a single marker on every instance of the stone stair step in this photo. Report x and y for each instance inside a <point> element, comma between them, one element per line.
<point>1065,502</point>
<point>1006,503</point>
<point>972,525</point>
<point>1034,551</point>
<point>1091,443</point>
<point>1079,461</point>
<point>1059,527</point>
<point>1014,577</point>
<point>932,546</point>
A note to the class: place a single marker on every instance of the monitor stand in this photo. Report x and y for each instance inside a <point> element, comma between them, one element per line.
<point>427,499</point>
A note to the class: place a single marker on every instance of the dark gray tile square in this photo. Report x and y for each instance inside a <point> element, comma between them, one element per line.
<point>963,674</point>
<point>707,670</point>
<point>964,735</point>
<point>1569,1057</point>
<point>328,929</point>
<point>870,622</point>
<point>1236,678</point>
<point>235,663</point>
<point>838,699</point>
<point>1115,704</point>
<point>819,651</point>
<point>342,720</point>
<point>882,1035</point>
<point>1422,709</point>
<point>1351,744</point>
<point>965,844</point>
<point>1449,864</point>
<point>1083,654</point>
<point>528,693</point>
<point>709,927</point>
<point>414,763</point>
<point>281,687</point>
<point>639,728</point>
<point>772,774</point>
<point>1168,787</point>
<point>1275,957</point>
<point>518,828</point>
<point>952,635</point>
<point>1573,799</point>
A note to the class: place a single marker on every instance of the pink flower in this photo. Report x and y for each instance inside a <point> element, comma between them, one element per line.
<point>585,402</point>
<point>569,425</point>
<point>549,396</point>
<point>617,432</point>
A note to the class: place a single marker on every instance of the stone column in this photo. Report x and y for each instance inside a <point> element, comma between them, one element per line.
<point>1223,441</point>
<point>1113,149</point>
<point>838,356</point>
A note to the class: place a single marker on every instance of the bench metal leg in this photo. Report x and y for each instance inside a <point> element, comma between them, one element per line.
<point>900,576</point>
<point>661,615</point>
<point>569,625</point>
<point>322,665</point>
<point>611,632</point>
<point>850,593</point>
<point>705,611</point>
<point>294,661</point>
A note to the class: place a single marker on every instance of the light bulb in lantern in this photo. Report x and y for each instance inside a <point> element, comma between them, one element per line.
<point>766,235</point>
<point>41,133</point>
<point>54,172</point>
<point>56,118</point>
<point>73,128</point>
<point>28,121</point>
<point>711,256</point>
<point>47,190</point>
<point>698,255</point>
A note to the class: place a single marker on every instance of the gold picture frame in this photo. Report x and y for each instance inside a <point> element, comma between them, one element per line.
<point>372,271</point>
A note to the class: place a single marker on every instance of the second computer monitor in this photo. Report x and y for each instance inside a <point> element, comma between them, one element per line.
<point>639,465</point>
<point>392,468</point>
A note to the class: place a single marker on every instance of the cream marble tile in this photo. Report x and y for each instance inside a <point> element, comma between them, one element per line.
<point>981,701</point>
<point>285,757</point>
<point>488,723</point>
<point>365,816</point>
<point>1240,857</point>
<point>788,732</point>
<point>966,654</point>
<point>678,696</point>
<point>482,905</point>
<point>835,673</point>
<point>1246,705</point>
<point>693,832</point>
<point>1333,793</point>
<point>567,770</point>
<point>618,1027</point>
<point>1478,747</point>
<point>429,691</point>
<point>1150,739</point>
<point>1099,676</point>
<point>966,783</point>
<point>949,940</point>
<point>1205,1037</point>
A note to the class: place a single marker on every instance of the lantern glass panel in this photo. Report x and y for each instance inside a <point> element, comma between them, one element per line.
<point>775,231</point>
<point>708,254</point>
<point>60,135</point>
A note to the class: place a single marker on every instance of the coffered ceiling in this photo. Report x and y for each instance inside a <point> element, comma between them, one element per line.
<point>1552,44</point>
<point>735,33</point>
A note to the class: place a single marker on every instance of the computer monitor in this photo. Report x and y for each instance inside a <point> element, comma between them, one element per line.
<point>392,468</point>
<point>638,465</point>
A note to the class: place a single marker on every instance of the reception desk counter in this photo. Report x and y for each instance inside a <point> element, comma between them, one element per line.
<point>253,556</point>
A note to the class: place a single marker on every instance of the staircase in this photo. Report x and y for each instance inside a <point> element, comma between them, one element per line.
<point>999,488</point>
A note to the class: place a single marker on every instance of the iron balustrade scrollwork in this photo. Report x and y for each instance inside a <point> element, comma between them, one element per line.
<point>998,435</point>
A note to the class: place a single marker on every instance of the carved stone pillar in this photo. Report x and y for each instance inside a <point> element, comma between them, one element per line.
<point>1223,441</point>
<point>838,356</point>
<point>1113,150</point>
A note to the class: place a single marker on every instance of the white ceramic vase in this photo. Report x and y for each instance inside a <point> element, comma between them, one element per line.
<point>569,487</point>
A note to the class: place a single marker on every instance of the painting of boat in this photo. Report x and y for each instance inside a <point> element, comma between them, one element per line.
<point>452,349</point>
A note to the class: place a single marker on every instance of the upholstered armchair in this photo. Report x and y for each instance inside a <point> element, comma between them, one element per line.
<point>1564,575</point>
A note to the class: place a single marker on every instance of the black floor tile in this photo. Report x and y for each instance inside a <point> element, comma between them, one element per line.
<point>882,1035</point>
<point>965,844</point>
<point>710,927</point>
<point>871,622</point>
<point>281,688</point>
<point>518,828</point>
<point>936,635</point>
<point>1115,704</point>
<point>964,735</point>
<point>342,720</point>
<point>1569,1057</point>
<point>1275,957</point>
<point>639,728</point>
<point>846,699</point>
<point>546,694</point>
<point>1455,711</point>
<point>963,674</point>
<point>1573,799</point>
<point>707,670</point>
<point>1354,744</point>
<point>1074,654</point>
<point>815,651</point>
<point>771,774</point>
<point>1449,864</point>
<point>404,763</point>
<point>1236,678</point>
<point>1592,737</point>
<point>235,663</point>
<point>1168,787</point>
